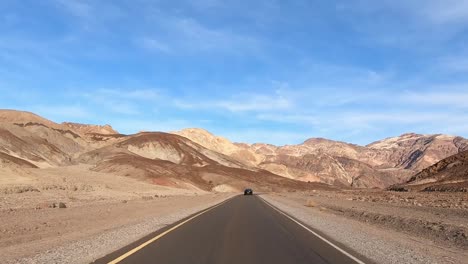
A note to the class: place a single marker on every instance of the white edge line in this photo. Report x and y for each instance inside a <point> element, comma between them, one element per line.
<point>149,241</point>
<point>313,232</point>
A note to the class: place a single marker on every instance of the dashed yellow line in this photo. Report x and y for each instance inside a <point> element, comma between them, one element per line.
<point>126,255</point>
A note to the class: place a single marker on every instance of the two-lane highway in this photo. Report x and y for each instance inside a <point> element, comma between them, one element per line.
<point>244,229</point>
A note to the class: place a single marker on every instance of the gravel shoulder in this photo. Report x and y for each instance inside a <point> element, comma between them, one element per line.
<point>83,233</point>
<point>379,240</point>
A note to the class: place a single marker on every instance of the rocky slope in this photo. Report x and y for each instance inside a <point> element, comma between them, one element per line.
<point>415,151</point>
<point>175,161</point>
<point>159,158</point>
<point>195,158</point>
<point>41,142</point>
<point>221,145</point>
<point>449,174</point>
<point>379,164</point>
<point>84,129</point>
<point>7,161</point>
<point>14,116</point>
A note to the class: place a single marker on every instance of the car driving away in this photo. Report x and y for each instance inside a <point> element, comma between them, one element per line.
<point>248,191</point>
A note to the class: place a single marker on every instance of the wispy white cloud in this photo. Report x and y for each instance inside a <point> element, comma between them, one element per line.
<point>208,38</point>
<point>452,99</point>
<point>153,44</point>
<point>61,112</point>
<point>418,25</point>
<point>91,16</point>
<point>301,118</point>
<point>241,103</point>
<point>355,93</point>
<point>459,128</point>
<point>205,4</point>
<point>129,94</point>
<point>121,101</point>
<point>426,111</point>
<point>255,103</point>
<point>444,12</point>
<point>187,34</point>
<point>363,119</point>
<point>456,64</point>
<point>79,8</point>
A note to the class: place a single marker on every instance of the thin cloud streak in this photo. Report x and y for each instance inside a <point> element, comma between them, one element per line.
<point>182,34</point>
<point>448,99</point>
<point>61,112</point>
<point>244,103</point>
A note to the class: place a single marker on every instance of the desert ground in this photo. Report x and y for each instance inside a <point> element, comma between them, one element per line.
<point>103,212</point>
<point>384,226</point>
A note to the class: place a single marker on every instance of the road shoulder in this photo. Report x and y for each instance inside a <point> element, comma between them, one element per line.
<point>377,244</point>
<point>87,233</point>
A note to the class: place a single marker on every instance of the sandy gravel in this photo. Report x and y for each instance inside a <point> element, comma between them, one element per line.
<point>84,233</point>
<point>102,212</point>
<point>376,242</point>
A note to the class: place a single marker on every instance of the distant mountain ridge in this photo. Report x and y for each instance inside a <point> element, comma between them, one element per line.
<point>90,129</point>
<point>379,164</point>
<point>197,158</point>
<point>31,142</point>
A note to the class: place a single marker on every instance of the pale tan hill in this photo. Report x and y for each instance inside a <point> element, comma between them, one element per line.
<point>262,149</point>
<point>416,151</point>
<point>341,171</point>
<point>23,117</point>
<point>449,174</point>
<point>43,143</point>
<point>40,141</point>
<point>162,159</point>
<point>208,140</point>
<point>331,147</point>
<point>294,161</point>
<point>176,149</point>
<point>379,164</point>
<point>8,161</point>
<point>221,145</point>
<point>84,129</point>
<point>172,160</point>
<point>327,161</point>
<point>21,143</point>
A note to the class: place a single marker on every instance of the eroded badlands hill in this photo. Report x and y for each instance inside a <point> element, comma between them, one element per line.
<point>159,158</point>
<point>449,174</point>
<point>195,158</point>
<point>379,164</point>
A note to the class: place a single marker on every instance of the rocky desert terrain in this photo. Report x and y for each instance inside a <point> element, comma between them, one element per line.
<point>163,159</point>
<point>386,227</point>
<point>379,164</point>
<point>447,175</point>
<point>74,187</point>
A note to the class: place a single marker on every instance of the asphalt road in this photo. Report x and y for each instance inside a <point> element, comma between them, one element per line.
<point>242,230</point>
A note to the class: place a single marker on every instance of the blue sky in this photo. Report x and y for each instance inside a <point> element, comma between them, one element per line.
<point>253,71</point>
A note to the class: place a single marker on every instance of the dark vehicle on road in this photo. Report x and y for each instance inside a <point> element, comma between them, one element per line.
<point>248,192</point>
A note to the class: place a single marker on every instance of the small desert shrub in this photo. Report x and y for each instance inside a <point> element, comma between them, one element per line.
<point>86,188</point>
<point>53,187</point>
<point>72,198</point>
<point>310,203</point>
<point>18,189</point>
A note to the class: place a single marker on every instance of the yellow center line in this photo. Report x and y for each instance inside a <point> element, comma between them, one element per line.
<point>117,260</point>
